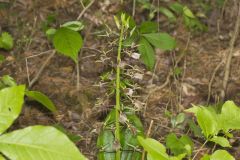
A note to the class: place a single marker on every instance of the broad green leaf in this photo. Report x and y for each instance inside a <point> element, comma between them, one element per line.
<point>68,42</point>
<point>1,157</point>
<point>6,41</point>
<point>147,53</point>
<point>11,101</point>
<point>206,157</point>
<point>229,117</point>
<point>38,143</point>
<point>173,143</point>
<point>129,144</point>
<point>105,144</point>
<point>161,40</point>
<point>155,149</point>
<point>221,141</point>
<point>148,27</point>
<point>179,157</point>
<point>41,98</point>
<point>168,14</point>
<point>177,8</point>
<point>74,25</point>
<point>208,121</point>
<point>129,140</point>
<point>221,155</point>
<point>188,144</point>
<point>188,12</point>
<point>184,145</point>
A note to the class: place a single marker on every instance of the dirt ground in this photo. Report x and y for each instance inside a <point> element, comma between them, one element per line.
<point>82,112</point>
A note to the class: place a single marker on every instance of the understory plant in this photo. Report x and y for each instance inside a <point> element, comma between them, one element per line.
<point>174,11</point>
<point>68,41</point>
<point>118,138</point>
<point>216,125</point>
<point>34,142</point>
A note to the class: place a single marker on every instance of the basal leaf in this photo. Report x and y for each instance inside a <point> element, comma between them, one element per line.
<point>105,144</point>
<point>11,101</point>
<point>155,149</point>
<point>161,40</point>
<point>68,42</point>
<point>38,143</point>
<point>148,27</point>
<point>221,141</point>
<point>41,98</point>
<point>147,53</point>
<point>6,41</point>
<point>221,155</point>
<point>129,140</point>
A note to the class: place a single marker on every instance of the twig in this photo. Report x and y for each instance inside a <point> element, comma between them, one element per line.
<point>134,8</point>
<point>85,9</point>
<point>199,149</point>
<point>212,79</point>
<point>148,134</point>
<point>33,56</point>
<point>229,58</point>
<point>35,79</point>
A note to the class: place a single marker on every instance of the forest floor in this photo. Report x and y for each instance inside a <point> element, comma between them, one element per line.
<point>83,111</point>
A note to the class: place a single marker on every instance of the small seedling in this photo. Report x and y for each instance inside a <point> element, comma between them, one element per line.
<point>68,41</point>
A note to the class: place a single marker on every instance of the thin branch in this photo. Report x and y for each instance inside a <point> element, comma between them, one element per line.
<point>229,58</point>
<point>35,79</point>
<point>85,9</point>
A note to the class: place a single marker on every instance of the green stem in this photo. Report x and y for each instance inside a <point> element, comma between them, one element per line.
<point>117,107</point>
